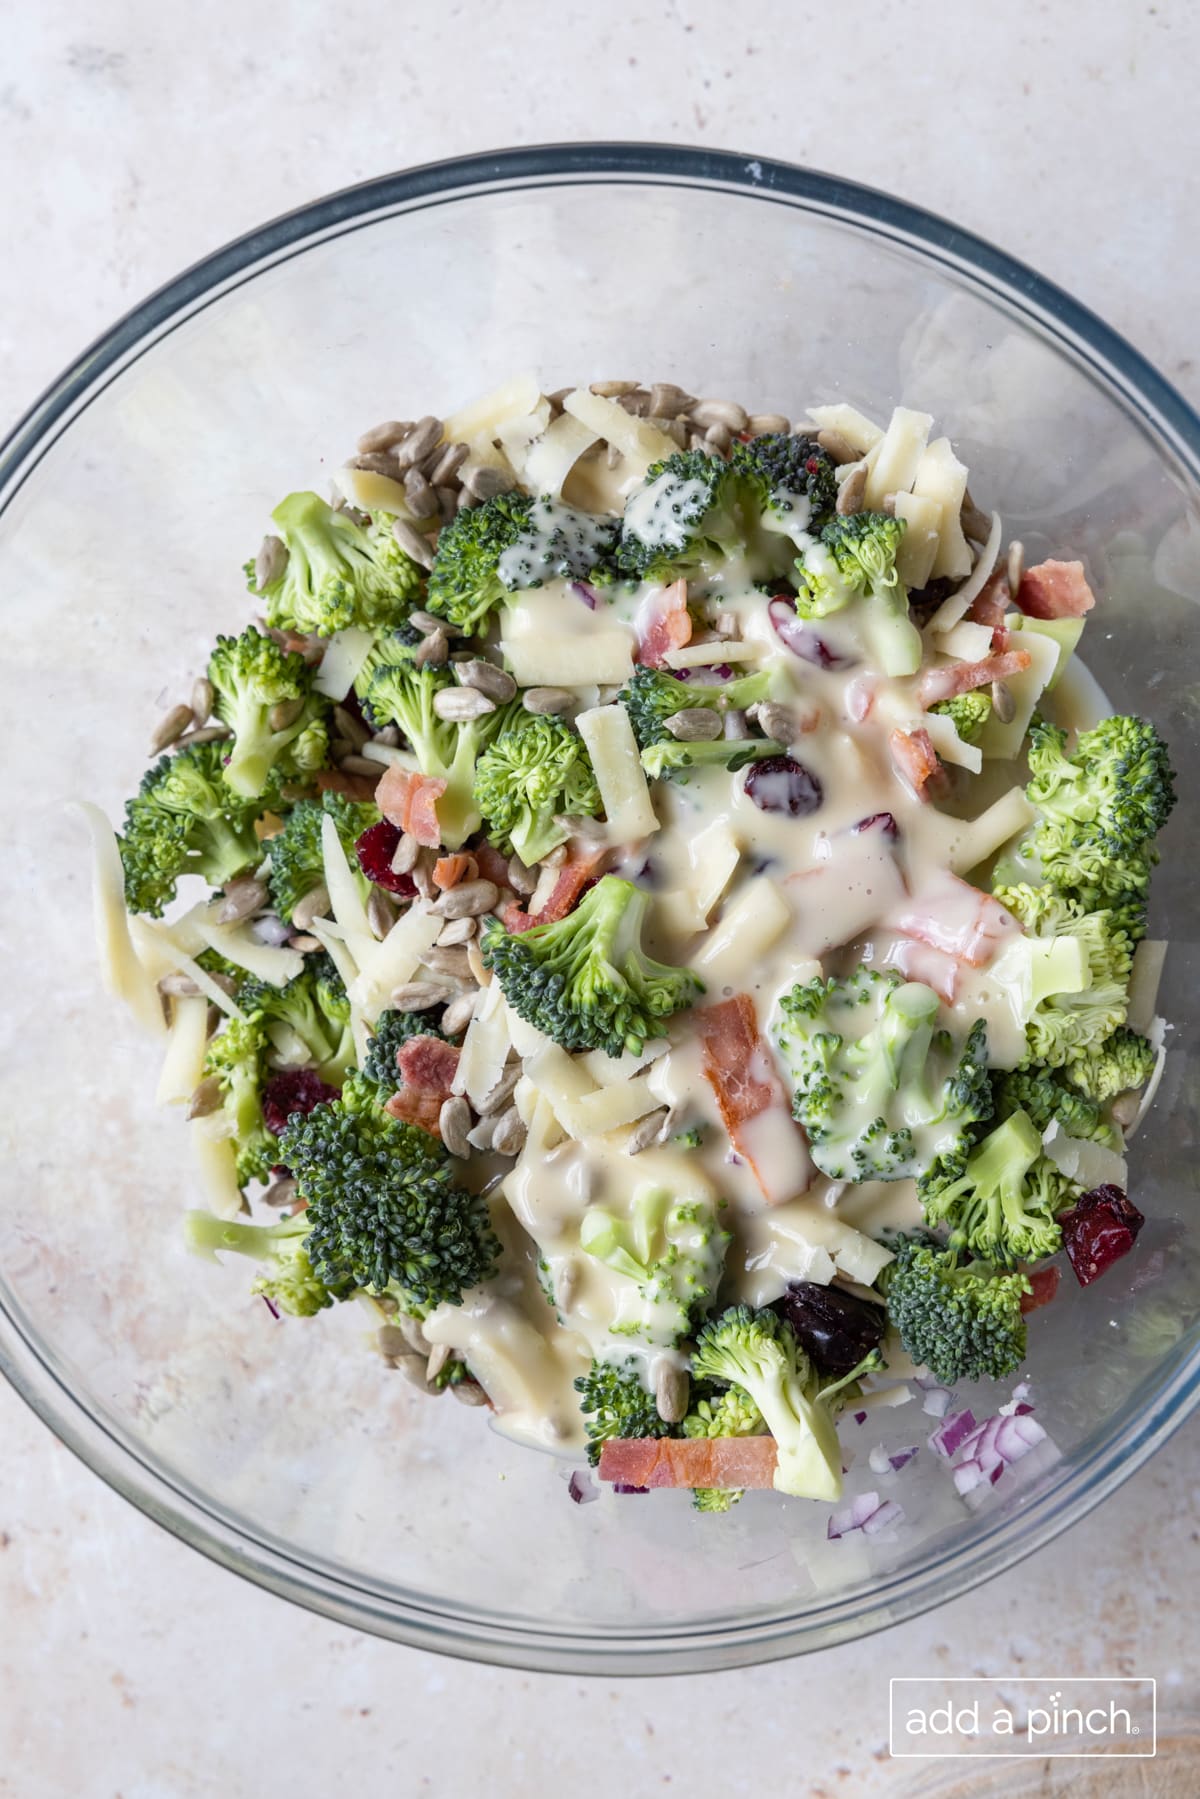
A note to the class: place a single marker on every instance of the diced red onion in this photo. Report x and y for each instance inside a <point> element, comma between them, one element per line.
<point>270,1305</point>
<point>801,639</point>
<point>581,591</point>
<point>623,1486</point>
<point>269,929</point>
<point>994,1446</point>
<point>582,1487</point>
<point>949,1437</point>
<point>938,1399</point>
<point>884,1461</point>
<point>888,1513</point>
<point>865,1512</point>
<point>860,1417</point>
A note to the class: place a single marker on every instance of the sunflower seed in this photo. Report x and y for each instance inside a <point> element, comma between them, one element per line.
<point>410,1329</point>
<point>838,448</point>
<point>376,463</point>
<point>460,704</point>
<point>390,1341</point>
<point>852,492</point>
<point>427,622</point>
<point>213,1018</point>
<point>420,440</point>
<point>366,766</point>
<point>381,914</point>
<point>170,727</point>
<point>719,412</point>
<point>484,483</point>
<point>444,471</point>
<point>459,930</point>
<point>433,649</point>
<point>315,904</point>
<point>449,961</point>
<point>498,1098</point>
<point>587,831</point>
<point>206,1098</point>
<point>281,1192</point>
<point>202,699</point>
<point>718,439</point>
<point>468,1392</point>
<point>671,1388</point>
<point>975,523</point>
<point>522,880</point>
<point>485,677</point>
<point>566,1283</point>
<point>478,970</point>
<point>470,899</point>
<point>412,543</point>
<point>636,404</point>
<point>383,437</point>
<point>767,424</point>
<point>613,390</point>
<point>285,712</point>
<point>404,856</point>
<point>304,943</point>
<point>178,986</point>
<point>508,1139</point>
<point>1124,1108</point>
<point>242,900</point>
<point>422,501</point>
<point>1003,704</point>
<point>774,720</point>
<point>459,1013</point>
<point>351,727</point>
<point>206,734</point>
<point>270,563</point>
<point>439,1355</point>
<point>420,996</point>
<point>387,738</point>
<point>667,401</point>
<point>454,1123</point>
<point>422,874</point>
<point>696,441</point>
<point>695,724</point>
<point>1016,566</point>
<point>647,1132</point>
<point>547,699</point>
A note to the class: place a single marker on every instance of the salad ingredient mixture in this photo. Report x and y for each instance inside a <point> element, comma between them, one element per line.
<point>672,938</point>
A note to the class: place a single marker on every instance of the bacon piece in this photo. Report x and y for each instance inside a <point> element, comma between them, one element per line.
<point>492,865</point>
<point>428,1065</point>
<point>689,1461</point>
<point>1055,590</point>
<point>918,962</point>
<point>754,1109</point>
<point>354,787</point>
<point>410,801</point>
<point>990,606</point>
<point>953,678</point>
<point>952,916</point>
<point>663,623</point>
<point>1043,1284</point>
<point>410,1107</point>
<point>573,877</point>
<point>449,871</point>
<point>916,761</point>
<point>860,697</point>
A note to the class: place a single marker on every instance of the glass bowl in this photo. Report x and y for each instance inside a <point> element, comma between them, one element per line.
<point>129,498</point>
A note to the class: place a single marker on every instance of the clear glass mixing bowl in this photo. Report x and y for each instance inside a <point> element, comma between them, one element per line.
<point>128,500</point>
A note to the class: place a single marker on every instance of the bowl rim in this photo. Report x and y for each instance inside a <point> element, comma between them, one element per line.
<point>1174,1391</point>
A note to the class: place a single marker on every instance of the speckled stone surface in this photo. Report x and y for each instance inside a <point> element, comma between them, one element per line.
<point>128,1665</point>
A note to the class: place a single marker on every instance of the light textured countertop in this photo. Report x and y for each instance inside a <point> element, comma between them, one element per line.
<point>135,143</point>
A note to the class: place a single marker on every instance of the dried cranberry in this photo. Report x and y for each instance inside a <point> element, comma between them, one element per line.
<point>801,639</point>
<point>878,821</point>
<point>1043,1285</point>
<point>375,849</point>
<point>292,1090</point>
<point>781,784</point>
<point>1098,1230</point>
<point>836,1328</point>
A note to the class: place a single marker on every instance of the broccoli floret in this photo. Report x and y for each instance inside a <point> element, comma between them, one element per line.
<point>652,696</point>
<point>390,1032</point>
<point>382,1204</point>
<point>237,1056</point>
<point>213,962</point>
<point>1100,809</point>
<point>999,1200</point>
<point>664,760</point>
<point>288,1281</point>
<point>731,1413</point>
<point>853,560</point>
<point>315,1006</point>
<point>295,852</point>
<point>297,856</point>
<point>535,770</point>
<point>968,712</point>
<point>585,980</point>
<point>512,541</point>
<point>758,1352</point>
<point>184,819</point>
<point>616,1402</point>
<point>403,694</point>
<point>1062,1026</point>
<point>797,475</point>
<point>879,1089</point>
<point>1045,1096</point>
<point>1123,1061</point>
<point>692,512</point>
<point>961,1322</point>
<point>670,1251</point>
<point>251,675</point>
<point>338,573</point>
<point>389,647</point>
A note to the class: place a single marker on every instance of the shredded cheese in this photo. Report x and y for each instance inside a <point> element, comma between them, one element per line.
<point>560,1080</point>
<point>860,432</point>
<point>1145,977</point>
<point>216,1165</point>
<point>554,455</point>
<point>600,656</point>
<point>609,737</point>
<point>943,478</point>
<point>344,655</point>
<point>949,745</point>
<point>121,971</point>
<point>518,434</point>
<point>153,941</point>
<point>484,417</point>
<point>639,442</point>
<point>744,932</point>
<point>485,1048</point>
<point>955,605</point>
<point>897,456</point>
<point>374,493</point>
<point>183,1065</point>
<point>267,961</point>
<point>721,649</point>
<point>1091,1164</point>
<point>918,546</point>
<point>1026,688</point>
<point>609,1107</point>
<point>389,964</point>
<point>965,642</point>
<point>344,895</point>
<point>971,841</point>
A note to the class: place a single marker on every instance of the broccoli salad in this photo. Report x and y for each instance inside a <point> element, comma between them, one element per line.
<point>670,932</point>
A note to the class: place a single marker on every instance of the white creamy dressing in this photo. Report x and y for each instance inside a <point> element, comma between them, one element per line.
<point>806,895</point>
<point>559,542</point>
